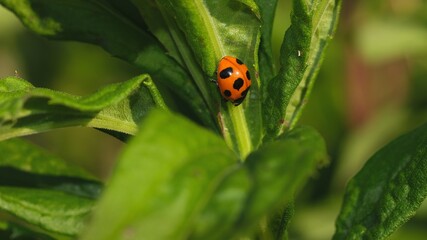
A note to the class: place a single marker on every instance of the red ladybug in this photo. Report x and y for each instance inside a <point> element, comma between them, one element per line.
<point>233,79</point>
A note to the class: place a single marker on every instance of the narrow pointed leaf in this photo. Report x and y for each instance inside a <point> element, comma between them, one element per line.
<point>387,191</point>
<point>164,179</point>
<point>25,109</point>
<point>312,27</point>
<point>267,68</point>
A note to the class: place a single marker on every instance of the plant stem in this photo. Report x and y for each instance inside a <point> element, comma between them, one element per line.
<point>241,131</point>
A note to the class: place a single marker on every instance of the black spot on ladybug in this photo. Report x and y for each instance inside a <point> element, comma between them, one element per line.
<point>225,73</point>
<point>248,75</point>
<point>238,83</point>
<point>245,92</point>
<point>227,93</point>
<point>238,61</point>
<point>238,101</point>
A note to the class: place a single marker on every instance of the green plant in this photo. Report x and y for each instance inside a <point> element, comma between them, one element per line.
<point>219,171</point>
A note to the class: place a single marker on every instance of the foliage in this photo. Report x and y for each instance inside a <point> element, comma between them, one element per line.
<point>194,166</point>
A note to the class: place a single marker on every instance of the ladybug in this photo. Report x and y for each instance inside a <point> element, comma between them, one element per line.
<point>233,79</point>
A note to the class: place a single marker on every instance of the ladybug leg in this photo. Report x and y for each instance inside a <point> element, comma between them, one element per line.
<point>213,80</point>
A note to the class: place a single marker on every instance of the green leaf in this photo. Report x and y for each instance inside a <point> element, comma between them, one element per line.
<point>13,231</point>
<point>269,178</point>
<point>41,193</point>
<point>158,26</point>
<point>312,27</point>
<point>204,32</point>
<point>278,222</point>
<point>214,29</point>
<point>53,212</point>
<point>194,188</point>
<point>387,191</point>
<point>25,165</point>
<point>164,179</point>
<point>267,68</point>
<point>25,109</point>
<point>119,31</point>
<point>217,219</point>
<point>24,156</point>
<point>279,169</point>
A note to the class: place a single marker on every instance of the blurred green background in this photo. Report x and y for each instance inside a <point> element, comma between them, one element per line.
<point>372,88</point>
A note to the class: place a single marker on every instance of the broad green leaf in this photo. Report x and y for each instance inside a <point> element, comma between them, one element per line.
<point>25,109</point>
<point>387,191</point>
<point>164,179</point>
<point>54,212</point>
<point>312,27</point>
<point>119,31</point>
<point>204,32</point>
<point>279,169</point>
<point>275,172</point>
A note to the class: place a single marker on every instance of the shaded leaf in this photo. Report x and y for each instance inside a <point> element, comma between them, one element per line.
<point>20,154</point>
<point>24,165</point>
<point>278,222</point>
<point>15,232</point>
<point>158,26</point>
<point>267,68</point>
<point>387,191</point>
<point>25,109</point>
<point>41,193</point>
<point>100,22</point>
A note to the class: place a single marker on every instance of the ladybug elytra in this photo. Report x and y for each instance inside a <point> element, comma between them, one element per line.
<point>233,79</point>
